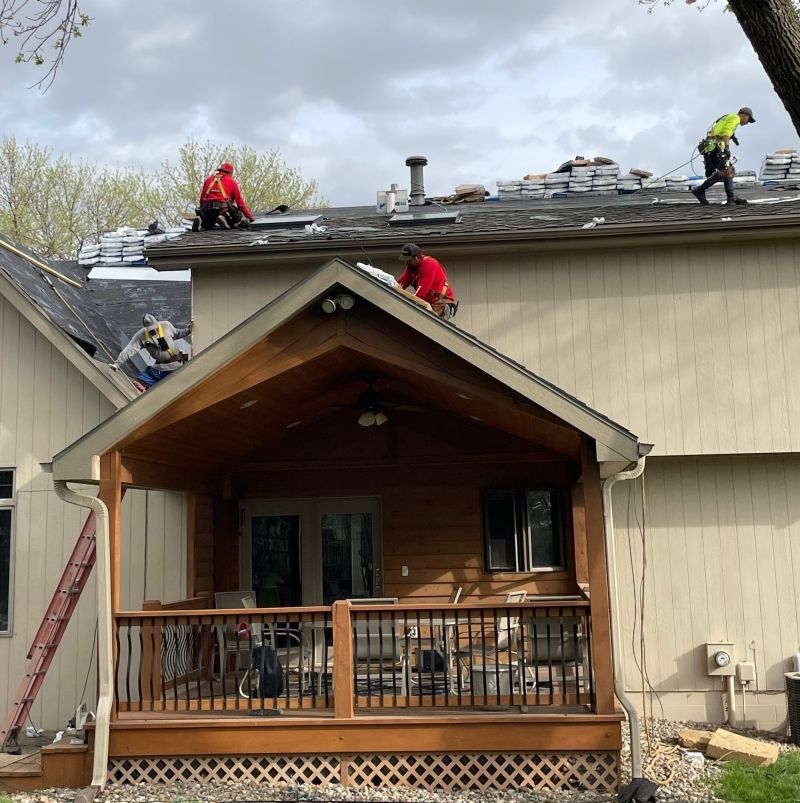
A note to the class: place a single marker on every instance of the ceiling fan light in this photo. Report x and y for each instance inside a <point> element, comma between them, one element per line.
<point>345,301</point>
<point>380,418</point>
<point>367,418</point>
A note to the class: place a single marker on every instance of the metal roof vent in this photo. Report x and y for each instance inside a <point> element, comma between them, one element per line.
<point>416,163</point>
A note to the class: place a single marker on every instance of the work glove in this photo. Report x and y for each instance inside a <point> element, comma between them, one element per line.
<point>734,140</point>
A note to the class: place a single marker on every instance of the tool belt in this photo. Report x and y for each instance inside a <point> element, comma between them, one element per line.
<point>214,206</point>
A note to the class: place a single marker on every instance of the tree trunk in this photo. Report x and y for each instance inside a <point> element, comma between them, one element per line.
<point>773,28</point>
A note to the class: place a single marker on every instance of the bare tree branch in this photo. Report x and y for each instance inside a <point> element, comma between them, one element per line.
<point>41,30</point>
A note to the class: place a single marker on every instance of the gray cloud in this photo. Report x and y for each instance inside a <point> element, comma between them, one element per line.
<point>346,90</point>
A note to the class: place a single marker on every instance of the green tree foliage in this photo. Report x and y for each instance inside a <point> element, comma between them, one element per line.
<point>41,31</point>
<point>53,204</point>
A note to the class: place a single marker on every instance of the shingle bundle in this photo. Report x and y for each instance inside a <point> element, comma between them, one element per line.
<point>781,167</point>
<point>123,248</point>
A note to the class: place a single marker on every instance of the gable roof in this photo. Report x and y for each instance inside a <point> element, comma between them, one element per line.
<point>80,461</point>
<point>66,317</point>
<point>488,224</point>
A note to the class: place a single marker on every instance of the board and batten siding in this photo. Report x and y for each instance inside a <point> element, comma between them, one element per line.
<point>693,349</point>
<point>722,548</point>
<point>45,404</point>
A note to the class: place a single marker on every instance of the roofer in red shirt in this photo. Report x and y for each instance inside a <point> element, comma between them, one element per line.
<point>221,202</point>
<point>428,278</point>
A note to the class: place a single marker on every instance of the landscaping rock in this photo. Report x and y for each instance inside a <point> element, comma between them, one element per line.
<point>694,739</point>
<point>732,747</point>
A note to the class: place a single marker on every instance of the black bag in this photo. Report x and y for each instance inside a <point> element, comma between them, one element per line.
<point>270,672</point>
<point>431,661</point>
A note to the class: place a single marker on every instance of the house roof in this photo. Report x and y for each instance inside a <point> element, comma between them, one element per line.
<point>80,462</point>
<point>484,224</point>
<point>66,316</point>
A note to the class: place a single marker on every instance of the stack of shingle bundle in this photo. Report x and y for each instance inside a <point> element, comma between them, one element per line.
<point>579,179</point>
<point>123,248</point>
<point>677,183</point>
<point>775,170</point>
<point>533,186</point>
<point>629,183</point>
<point>509,190</point>
<point>747,178</point>
<point>556,183</point>
<point>605,176</point>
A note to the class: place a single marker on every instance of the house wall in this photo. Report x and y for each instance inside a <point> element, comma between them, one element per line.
<point>431,523</point>
<point>45,404</point>
<point>691,348</point>
<point>722,548</point>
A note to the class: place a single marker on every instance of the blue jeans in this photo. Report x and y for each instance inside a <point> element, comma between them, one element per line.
<point>151,375</point>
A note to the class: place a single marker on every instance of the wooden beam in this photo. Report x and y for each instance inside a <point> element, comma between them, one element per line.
<point>110,494</point>
<point>602,659</point>
<point>138,473</point>
<point>579,535</point>
<point>343,702</point>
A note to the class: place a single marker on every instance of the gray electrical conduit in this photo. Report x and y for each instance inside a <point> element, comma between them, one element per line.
<point>619,686</point>
<point>104,634</point>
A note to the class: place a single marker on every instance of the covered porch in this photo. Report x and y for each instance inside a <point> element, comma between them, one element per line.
<point>365,598</point>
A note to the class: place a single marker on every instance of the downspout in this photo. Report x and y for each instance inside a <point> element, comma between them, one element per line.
<point>619,686</point>
<point>104,628</point>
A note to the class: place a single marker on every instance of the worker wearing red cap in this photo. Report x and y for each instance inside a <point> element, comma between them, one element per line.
<point>221,202</point>
<point>427,276</point>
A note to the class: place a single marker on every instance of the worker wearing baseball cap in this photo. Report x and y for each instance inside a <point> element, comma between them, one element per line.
<point>221,202</point>
<point>715,150</point>
<point>427,277</point>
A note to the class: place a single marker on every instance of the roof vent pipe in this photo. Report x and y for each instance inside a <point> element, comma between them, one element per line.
<point>416,163</point>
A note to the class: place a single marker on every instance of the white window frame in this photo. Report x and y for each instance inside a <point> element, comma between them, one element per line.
<point>10,503</point>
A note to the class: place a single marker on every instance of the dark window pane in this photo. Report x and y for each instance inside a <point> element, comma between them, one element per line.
<point>5,566</point>
<point>347,564</point>
<point>276,561</point>
<point>544,529</point>
<point>6,484</point>
<point>500,532</point>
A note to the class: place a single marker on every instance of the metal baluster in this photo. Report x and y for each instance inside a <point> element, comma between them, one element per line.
<point>175,662</point>
<point>538,689</point>
<point>407,656</point>
<point>510,654</point>
<point>312,660</point>
<point>287,628</point>
<point>141,653</point>
<point>152,665</point>
<point>496,625</point>
<point>325,656</point>
<point>419,659</point>
<point>236,666</point>
<point>431,658</point>
<point>549,653</point>
<point>445,658</point>
<point>117,666</point>
<point>197,649</point>
<point>456,647</point>
<point>368,628</point>
<point>563,656</point>
<point>380,657</point>
<point>523,657</point>
<point>223,663</point>
<point>395,659</point>
<point>575,655</point>
<point>214,650</point>
<point>184,629</point>
<point>248,669</point>
<point>470,667</point>
<point>128,667</point>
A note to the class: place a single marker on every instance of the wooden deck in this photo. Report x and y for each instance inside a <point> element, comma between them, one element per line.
<point>55,765</point>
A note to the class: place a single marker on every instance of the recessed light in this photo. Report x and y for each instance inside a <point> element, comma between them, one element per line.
<point>462,396</point>
<point>294,424</point>
<point>248,404</point>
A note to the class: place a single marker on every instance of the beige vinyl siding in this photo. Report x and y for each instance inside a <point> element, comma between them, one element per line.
<point>722,543</point>
<point>46,403</point>
<point>693,349</point>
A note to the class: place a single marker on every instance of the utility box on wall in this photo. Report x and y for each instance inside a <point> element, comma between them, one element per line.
<point>720,659</point>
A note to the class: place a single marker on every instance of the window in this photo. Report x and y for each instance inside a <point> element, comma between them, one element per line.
<point>6,531</point>
<point>523,530</point>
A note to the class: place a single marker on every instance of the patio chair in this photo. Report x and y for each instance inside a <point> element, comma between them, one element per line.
<point>227,642</point>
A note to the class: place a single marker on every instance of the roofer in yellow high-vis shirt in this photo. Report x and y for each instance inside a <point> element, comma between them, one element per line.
<point>715,149</point>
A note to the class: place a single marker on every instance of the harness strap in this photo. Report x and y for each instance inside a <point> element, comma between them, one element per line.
<point>147,339</point>
<point>217,184</point>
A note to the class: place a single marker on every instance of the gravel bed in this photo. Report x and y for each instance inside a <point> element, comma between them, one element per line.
<point>681,782</point>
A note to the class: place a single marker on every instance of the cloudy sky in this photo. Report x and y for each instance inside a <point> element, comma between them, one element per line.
<point>346,89</point>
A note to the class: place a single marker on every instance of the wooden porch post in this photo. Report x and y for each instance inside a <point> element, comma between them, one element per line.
<point>343,706</point>
<point>579,536</point>
<point>111,495</point>
<point>602,659</point>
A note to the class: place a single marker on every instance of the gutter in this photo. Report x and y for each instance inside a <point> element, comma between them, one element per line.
<point>104,629</point>
<point>619,686</point>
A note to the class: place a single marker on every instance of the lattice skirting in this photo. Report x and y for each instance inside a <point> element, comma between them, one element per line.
<point>558,771</point>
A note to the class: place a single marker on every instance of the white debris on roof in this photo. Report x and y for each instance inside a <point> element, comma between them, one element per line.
<point>124,247</point>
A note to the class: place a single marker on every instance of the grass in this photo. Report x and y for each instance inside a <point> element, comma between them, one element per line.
<point>742,783</point>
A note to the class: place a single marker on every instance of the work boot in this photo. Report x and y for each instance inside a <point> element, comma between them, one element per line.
<point>197,223</point>
<point>223,222</point>
<point>700,195</point>
<point>738,201</point>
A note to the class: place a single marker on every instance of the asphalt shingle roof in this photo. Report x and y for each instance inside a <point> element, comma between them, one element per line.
<point>356,225</point>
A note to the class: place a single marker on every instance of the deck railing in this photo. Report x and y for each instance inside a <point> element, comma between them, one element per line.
<point>349,659</point>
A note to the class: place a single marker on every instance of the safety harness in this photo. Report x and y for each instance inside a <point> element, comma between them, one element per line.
<point>217,184</point>
<point>161,342</point>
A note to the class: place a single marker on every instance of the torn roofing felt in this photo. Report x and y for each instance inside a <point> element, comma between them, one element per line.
<point>68,307</point>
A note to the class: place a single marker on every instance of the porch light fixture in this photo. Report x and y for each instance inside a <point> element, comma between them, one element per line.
<point>247,404</point>
<point>370,417</point>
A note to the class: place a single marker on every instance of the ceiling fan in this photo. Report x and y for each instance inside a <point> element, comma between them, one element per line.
<point>372,405</point>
